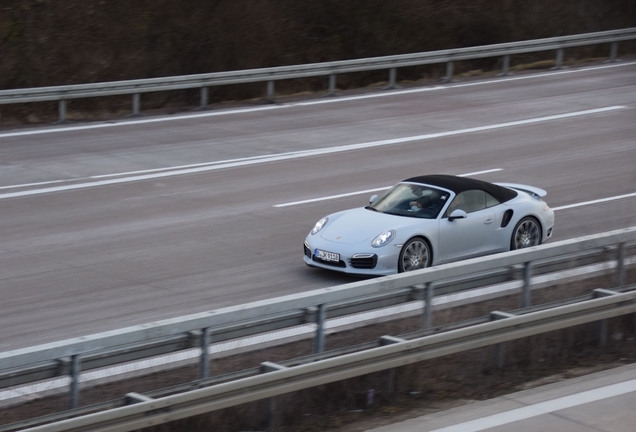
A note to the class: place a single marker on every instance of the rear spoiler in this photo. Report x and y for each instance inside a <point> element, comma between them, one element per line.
<point>540,193</point>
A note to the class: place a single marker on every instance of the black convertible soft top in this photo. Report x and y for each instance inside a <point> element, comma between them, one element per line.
<point>461,184</point>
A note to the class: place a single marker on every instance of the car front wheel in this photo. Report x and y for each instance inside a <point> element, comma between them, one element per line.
<point>415,255</point>
<point>527,233</point>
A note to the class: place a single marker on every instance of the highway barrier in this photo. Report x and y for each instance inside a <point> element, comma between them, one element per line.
<point>62,94</point>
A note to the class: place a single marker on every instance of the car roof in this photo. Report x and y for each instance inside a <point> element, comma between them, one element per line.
<point>461,184</point>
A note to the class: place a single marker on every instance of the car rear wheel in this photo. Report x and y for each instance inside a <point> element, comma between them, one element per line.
<point>527,233</point>
<point>415,255</point>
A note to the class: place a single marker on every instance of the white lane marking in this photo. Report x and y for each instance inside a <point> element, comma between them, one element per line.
<point>178,167</point>
<point>601,200</point>
<point>36,184</point>
<point>542,408</point>
<point>307,103</point>
<point>480,172</point>
<point>369,190</point>
<point>308,153</point>
<point>360,319</point>
<point>331,197</point>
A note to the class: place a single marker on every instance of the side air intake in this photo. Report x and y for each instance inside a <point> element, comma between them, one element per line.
<point>506,218</point>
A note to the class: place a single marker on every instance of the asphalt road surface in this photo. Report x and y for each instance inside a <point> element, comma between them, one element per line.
<point>106,225</point>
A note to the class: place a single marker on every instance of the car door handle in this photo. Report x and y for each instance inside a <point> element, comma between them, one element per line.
<point>488,221</point>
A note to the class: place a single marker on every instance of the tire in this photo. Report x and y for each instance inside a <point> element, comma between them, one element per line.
<point>415,255</point>
<point>527,233</point>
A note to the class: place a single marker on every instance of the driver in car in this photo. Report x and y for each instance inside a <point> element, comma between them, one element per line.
<point>420,204</point>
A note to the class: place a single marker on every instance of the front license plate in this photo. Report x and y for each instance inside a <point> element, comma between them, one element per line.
<point>327,256</point>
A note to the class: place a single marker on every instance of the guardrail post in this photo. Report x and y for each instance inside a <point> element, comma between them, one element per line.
<point>387,340</point>
<point>620,264</point>
<point>135,104</point>
<point>505,65</point>
<point>602,324</point>
<point>392,75</point>
<point>319,342</point>
<point>204,98</point>
<point>613,52</point>
<point>427,318</point>
<point>61,111</point>
<point>498,355</point>
<point>527,281</point>
<point>204,361</point>
<point>74,373</point>
<point>449,72</point>
<point>498,351</point>
<point>602,332</point>
<point>558,63</point>
<point>332,85</point>
<point>270,91</point>
<point>271,403</point>
<point>271,409</point>
<point>390,384</point>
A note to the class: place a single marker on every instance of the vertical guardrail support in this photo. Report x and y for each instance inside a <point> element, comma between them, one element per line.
<point>427,318</point>
<point>270,91</point>
<point>602,324</point>
<point>204,98</point>
<point>271,409</point>
<point>419,294</point>
<point>135,104</point>
<point>319,341</point>
<point>602,332</point>
<point>498,356</point>
<point>620,264</point>
<point>390,382</point>
<point>498,349</point>
<point>558,62</point>
<point>613,52</point>
<point>505,66</point>
<point>332,85</point>
<point>204,360</point>
<point>392,75</point>
<point>74,374</point>
<point>61,111</point>
<point>527,282</point>
<point>271,402</point>
<point>449,72</point>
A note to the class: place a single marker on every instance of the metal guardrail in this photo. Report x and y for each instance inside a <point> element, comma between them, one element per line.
<point>89,352</point>
<point>253,371</point>
<point>279,379</point>
<point>202,81</point>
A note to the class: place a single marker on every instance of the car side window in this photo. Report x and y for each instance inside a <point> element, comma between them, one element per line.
<point>491,200</point>
<point>469,201</point>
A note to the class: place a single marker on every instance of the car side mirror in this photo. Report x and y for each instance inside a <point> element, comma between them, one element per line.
<point>457,214</point>
<point>373,198</point>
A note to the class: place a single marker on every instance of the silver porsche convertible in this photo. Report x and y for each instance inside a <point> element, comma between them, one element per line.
<point>430,220</point>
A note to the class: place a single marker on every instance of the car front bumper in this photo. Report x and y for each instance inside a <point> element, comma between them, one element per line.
<point>354,259</point>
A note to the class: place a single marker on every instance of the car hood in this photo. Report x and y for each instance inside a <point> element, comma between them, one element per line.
<point>358,225</point>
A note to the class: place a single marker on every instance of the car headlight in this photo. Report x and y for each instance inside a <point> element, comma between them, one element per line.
<point>321,223</point>
<point>383,239</point>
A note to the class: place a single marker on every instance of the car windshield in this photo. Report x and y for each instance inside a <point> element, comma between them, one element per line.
<point>411,200</point>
